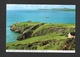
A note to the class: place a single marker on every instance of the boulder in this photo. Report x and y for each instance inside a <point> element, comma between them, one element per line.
<point>17,31</point>
<point>21,37</point>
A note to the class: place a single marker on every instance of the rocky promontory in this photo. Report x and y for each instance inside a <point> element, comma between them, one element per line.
<point>42,36</point>
<point>32,29</point>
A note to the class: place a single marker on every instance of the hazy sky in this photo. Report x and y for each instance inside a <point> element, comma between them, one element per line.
<point>35,6</point>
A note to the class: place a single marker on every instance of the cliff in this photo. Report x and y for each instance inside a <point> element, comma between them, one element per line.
<point>41,36</point>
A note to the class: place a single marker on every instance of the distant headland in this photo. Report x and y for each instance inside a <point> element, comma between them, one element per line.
<point>60,9</point>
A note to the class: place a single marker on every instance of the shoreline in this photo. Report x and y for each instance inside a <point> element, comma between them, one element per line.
<point>35,32</point>
<point>49,23</point>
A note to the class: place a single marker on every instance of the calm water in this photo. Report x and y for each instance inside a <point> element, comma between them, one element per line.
<point>36,16</point>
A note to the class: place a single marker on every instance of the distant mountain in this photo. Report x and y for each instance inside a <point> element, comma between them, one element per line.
<point>66,9</point>
<point>61,9</point>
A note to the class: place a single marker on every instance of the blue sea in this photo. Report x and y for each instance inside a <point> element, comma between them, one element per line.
<point>35,16</point>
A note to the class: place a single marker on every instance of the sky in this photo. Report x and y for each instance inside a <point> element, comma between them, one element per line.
<point>36,6</point>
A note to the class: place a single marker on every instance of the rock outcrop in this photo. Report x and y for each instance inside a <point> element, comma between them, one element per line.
<point>61,31</point>
<point>31,30</point>
<point>25,32</point>
<point>28,31</point>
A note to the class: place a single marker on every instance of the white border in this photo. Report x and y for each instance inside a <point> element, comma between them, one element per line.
<point>43,51</point>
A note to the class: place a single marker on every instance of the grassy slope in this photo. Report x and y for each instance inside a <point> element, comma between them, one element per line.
<point>40,38</point>
<point>47,24</point>
<point>55,25</point>
<point>48,36</point>
<point>42,29</point>
<point>26,24</point>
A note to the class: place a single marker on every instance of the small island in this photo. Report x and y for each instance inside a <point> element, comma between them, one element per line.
<point>42,36</point>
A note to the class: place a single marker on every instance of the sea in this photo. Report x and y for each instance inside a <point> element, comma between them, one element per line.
<point>46,16</point>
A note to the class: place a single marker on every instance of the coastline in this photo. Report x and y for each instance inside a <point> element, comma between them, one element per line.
<point>37,33</point>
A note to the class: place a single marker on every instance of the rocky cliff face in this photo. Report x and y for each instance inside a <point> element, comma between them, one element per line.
<point>25,32</point>
<point>41,30</point>
<point>32,31</point>
<point>61,31</point>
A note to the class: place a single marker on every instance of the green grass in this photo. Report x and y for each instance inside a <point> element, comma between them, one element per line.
<point>66,25</point>
<point>42,29</point>
<point>47,24</point>
<point>27,23</point>
<point>59,44</point>
<point>56,25</point>
<point>45,33</point>
<point>39,38</point>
